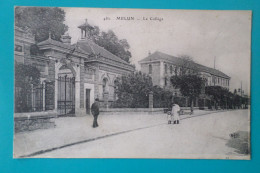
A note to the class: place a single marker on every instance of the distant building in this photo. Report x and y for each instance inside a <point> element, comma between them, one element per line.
<point>72,76</point>
<point>161,67</point>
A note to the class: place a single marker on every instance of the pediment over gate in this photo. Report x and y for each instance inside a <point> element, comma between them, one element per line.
<point>67,64</point>
<point>67,61</point>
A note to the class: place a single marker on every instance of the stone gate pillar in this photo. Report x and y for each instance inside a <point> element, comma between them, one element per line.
<point>151,101</point>
<point>78,111</point>
<point>106,96</point>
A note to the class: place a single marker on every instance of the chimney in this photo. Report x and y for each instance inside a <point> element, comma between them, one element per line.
<point>66,39</point>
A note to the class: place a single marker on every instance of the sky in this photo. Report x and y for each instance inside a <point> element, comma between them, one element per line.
<point>204,35</point>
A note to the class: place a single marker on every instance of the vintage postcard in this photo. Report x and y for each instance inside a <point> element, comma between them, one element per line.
<point>131,83</point>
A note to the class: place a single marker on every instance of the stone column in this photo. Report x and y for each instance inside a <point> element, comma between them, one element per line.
<point>77,91</point>
<point>43,96</point>
<point>196,102</point>
<point>186,101</point>
<point>57,67</point>
<point>106,97</point>
<point>151,101</point>
<point>32,98</point>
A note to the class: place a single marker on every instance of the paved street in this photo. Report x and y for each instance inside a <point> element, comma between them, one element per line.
<point>147,136</point>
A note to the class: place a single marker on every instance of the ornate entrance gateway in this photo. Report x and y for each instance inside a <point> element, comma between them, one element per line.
<point>66,95</point>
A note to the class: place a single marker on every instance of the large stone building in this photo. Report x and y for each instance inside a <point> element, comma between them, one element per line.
<point>161,67</point>
<point>72,76</point>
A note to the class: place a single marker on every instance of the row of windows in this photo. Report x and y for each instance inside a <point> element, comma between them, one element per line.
<point>173,69</point>
<point>215,80</point>
<point>220,81</point>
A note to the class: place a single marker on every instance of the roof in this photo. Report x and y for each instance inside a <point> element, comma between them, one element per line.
<point>211,71</point>
<point>157,56</point>
<point>92,48</point>
<point>19,29</point>
<point>85,25</point>
<point>85,46</point>
<point>58,43</point>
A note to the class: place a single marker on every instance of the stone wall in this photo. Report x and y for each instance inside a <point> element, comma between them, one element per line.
<point>33,124</point>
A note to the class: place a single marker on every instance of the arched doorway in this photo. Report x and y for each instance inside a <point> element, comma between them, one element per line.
<point>66,91</point>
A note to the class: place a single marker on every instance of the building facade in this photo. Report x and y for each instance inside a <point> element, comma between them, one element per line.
<point>72,76</point>
<point>161,67</point>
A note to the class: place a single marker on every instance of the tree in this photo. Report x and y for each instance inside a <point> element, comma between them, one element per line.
<point>188,81</point>
<point>110,42</point>
<point>221,96</point>
<point>26,76</point>
<point>41,21</point>
<point>187,65</point>
<point>190,86</point>
<point>133,90</point>
<point>162,98</point>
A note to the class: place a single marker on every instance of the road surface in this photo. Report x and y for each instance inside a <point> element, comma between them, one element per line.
<point>199,137</point>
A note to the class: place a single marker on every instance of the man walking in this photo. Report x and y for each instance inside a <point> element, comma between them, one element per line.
<point>95,112</point>
<point>175,113</point>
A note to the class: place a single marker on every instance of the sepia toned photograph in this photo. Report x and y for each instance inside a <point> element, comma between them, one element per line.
<point>131,83</point>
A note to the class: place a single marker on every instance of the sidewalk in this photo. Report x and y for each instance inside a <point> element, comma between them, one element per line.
<point>74,129</point>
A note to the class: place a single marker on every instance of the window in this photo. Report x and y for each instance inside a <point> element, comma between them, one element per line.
<point>171,69</point>
<point>176,71</point>
<point>105,85</point>
<point>18,48</point>
<point>165,68</point>
<point>165,81</point>
<point>150,68</point>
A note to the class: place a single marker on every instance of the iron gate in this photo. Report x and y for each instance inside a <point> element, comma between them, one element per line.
<point>66,95</point>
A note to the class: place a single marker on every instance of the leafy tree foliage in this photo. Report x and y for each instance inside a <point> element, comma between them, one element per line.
<point>224,98</point>
<point>218,94</point>
<point>41,21</point>
<point>189,85</point>
<point>188,81</point>
<point>187,65</point>
<point>110,42</point>
<point>161,98</point>
<point>133,90</point>
<point>25,77</point>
